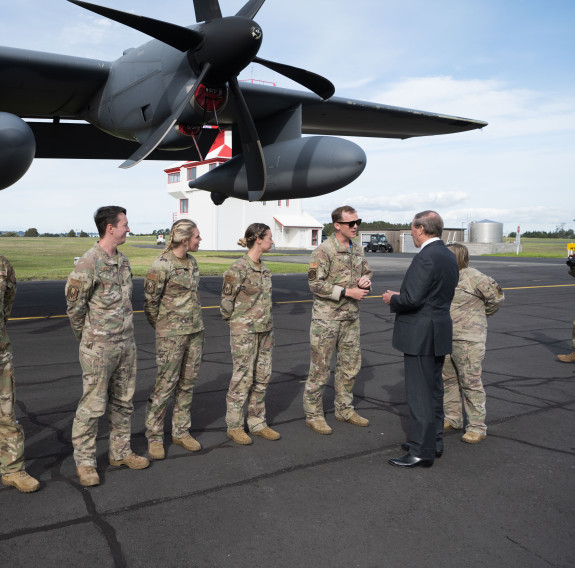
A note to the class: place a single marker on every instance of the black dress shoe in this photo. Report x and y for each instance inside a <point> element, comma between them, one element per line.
<point>407,446</point>
<point>410,461</point>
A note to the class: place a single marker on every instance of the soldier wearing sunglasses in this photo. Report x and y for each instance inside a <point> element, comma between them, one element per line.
<point>339,278</point>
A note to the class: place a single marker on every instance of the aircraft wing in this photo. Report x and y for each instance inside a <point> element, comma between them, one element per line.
<point>349,117</point>
<point>34,84</point>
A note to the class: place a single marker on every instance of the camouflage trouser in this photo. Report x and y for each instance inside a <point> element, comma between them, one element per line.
<point>178,359</point>
<point>462,380</point>
<point>11,433</point>
<point>109,379</point>
<point>252,357</point>
<point>325,338</point>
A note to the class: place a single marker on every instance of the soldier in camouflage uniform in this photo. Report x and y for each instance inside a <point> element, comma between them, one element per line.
<point>476,297</point>
<point>99,298</point>
<point>570,358</point>
<point>339,278</point>
<point>11,433</point>
<point>247,307</point>
<point>172,306</point>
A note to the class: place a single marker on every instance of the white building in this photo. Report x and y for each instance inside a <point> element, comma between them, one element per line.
<point>222,225</point>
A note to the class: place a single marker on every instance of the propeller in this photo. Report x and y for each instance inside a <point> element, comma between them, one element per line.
<point>219,49</point>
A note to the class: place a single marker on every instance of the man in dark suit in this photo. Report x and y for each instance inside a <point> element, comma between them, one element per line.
<point>423,332</point>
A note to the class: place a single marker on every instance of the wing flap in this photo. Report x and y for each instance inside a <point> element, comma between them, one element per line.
<point>84,142</point>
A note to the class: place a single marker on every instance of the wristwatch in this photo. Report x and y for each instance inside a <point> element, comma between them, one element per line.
<point>342,295</point>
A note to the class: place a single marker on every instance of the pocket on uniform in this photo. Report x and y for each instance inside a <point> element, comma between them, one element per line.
<point>7,392</point>
<point>91,362</point>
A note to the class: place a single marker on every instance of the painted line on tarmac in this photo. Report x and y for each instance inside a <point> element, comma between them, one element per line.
<point>294,302</point>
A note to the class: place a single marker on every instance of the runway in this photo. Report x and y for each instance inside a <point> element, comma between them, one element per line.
<point>307,500</point>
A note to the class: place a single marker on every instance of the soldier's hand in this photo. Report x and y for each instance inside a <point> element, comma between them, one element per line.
<point>356,293</point>
<point>364,282</point>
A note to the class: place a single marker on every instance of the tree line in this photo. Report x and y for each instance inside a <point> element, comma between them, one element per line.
<point>556,234</point>
<point>328,228</point>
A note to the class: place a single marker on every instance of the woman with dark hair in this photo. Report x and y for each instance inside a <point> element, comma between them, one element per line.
<point>172,306</point>
<point>476,297</point>
<point>247,307</point>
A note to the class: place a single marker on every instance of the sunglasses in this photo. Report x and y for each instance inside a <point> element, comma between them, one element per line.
<point>351,224</point>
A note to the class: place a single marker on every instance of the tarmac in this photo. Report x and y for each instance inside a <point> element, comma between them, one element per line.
<point>307,500</point>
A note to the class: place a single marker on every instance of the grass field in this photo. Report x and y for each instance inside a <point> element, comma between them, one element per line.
<point>52,258</point>
<point>45,258</point>
<point>541,248</point>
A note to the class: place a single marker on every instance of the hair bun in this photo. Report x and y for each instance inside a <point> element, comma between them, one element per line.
<point>243,242</point>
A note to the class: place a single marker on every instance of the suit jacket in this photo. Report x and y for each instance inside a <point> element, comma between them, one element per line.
<point>422,321</point>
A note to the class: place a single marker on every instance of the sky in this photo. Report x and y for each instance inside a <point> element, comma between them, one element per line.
<point>509,63</point>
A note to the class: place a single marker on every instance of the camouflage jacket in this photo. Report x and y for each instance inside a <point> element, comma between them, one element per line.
<point>7,293</point>
<point>172,302</point>
<point>332,268</point>
<point>247,297</point>
<point>476,297</point>
<point>99,297</point>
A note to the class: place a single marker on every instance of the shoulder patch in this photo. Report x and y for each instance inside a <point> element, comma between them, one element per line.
<point>73,290</point>
<point>151,276</point>
<point>312,272</point>
<point>229,282</point>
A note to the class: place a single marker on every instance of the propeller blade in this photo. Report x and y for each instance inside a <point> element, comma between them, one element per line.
<point>251,146</point>
<point>315,83</point>
<point>250,9</point>
<point>207,10</point>
<point>178,37</point>
<point>161,132</point>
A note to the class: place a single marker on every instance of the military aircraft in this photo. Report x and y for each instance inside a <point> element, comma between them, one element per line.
<point>167,99</point>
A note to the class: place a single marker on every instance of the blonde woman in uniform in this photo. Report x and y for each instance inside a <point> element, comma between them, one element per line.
<point>172,306</point>
<point>247,307</point>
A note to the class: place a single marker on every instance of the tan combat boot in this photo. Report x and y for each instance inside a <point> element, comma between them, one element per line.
<point>156,450</point>
<point>88,475</point>
<point>132,461</point>
<point>239,436</point>
<point>188,442</point>
<point>21,480</point>
<point>567,358</point>
<point>447,425</point>
<point>473,437</point>
<point>318,425</point>
<point>354,419</point>
<point>267,433</point>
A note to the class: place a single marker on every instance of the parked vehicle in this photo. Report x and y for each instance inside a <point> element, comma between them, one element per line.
<point>377,243</point>
<point>161,240</point>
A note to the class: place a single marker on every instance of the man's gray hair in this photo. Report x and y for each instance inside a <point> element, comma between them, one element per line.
<point>431,222</point>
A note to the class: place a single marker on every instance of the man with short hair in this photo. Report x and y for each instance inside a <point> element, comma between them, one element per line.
<point>339,278</point>
<point>11,433</point>
<point>423,332</point>
<point>99,298</point>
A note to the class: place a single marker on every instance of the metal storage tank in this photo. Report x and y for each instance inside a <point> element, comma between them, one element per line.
<point>485,231</point>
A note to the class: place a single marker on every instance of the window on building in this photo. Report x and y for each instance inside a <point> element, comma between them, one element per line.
<point>280,203</point>
<point>191,174</point>
<point>263,203</point>
<point>174,178</point>
<point>183,206</point>
<point>314,233</point>
<point>287,202</point>
<point>213,166</point>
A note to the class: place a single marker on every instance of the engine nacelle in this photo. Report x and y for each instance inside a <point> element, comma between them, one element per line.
<point>17,148</point>
<point>296,168</point>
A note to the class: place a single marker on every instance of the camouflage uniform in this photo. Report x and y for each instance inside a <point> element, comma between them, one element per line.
<point>99,294</point>
<point>11,433</point>
<point>247,307</point>
<point>476,296</point>
<point>172,306</point>
<point>334,325</point>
